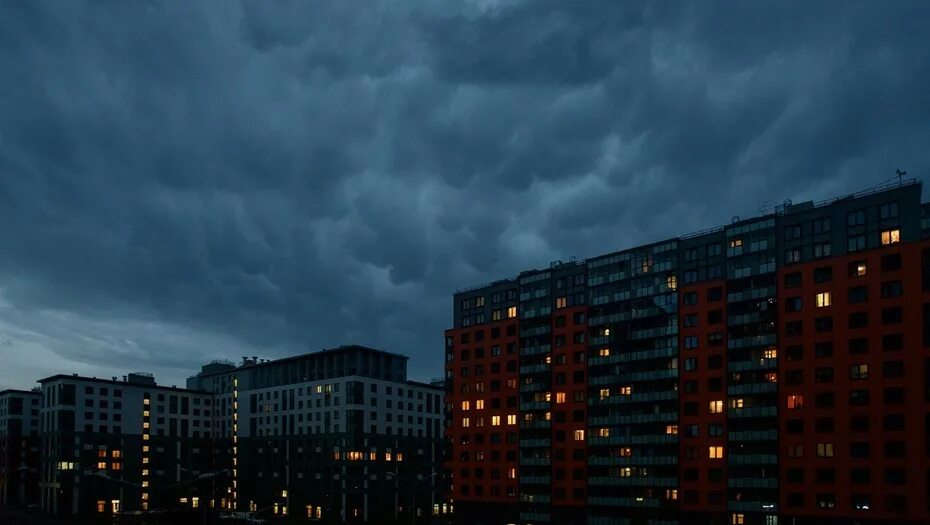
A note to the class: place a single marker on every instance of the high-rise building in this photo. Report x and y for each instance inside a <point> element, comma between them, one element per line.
<point>19,448</point>
<point>771,371</point>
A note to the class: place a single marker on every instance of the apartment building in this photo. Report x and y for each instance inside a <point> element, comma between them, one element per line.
<point>339,435</point>
<point>772,370</point>
<point>19,448</point>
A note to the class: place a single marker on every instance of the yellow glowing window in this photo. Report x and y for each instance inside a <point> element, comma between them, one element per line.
<point>495,421</point>
<point>603,432</point>
<point>795,401</point>
<point>736,243</point>
<point>770,353</point>
<point>145,484</point>
<point>466,405</point>
<point>548,359</point>
<point>146,401</point>
<point>579,435</point>
<point>511,419</point>
<point>145,461</point>
<point>560,397</point>
<point>738,519</point>
<point>117,466</point>
<point>102,453</point>
<point>479,404</point>
<point>626,472</point>
<point>604,352</point>
<point>824,450</point>
<point>116,454</point>
<point>671,282</point>
<point>671,430</point>
<point>626,390</point>
<point>605,332</point>
<point>861,269</point>
<point>145,437</point>
<point>101,506</point>
<point>145,472</point>
<point>548,416</point>
<point>511,312</point>
<point>736,402</point>
<point>824,299</point>
<point>466,422</point>
<point>604,392</point>
<point>626,452</point>
<point>771,377</point>
<point>716,407</point>
<point>671,494</point>
<point>102,465</point>
<point>511,473</point>
<point>195,502</point>
<point>891,236</point>
<point>715,452</point>
<point>561,302</point>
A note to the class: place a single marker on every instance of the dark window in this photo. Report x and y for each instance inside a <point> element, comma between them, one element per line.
<point>858,294</point>
<point>794,353</point>
<point>823,349</point>
<point>859,397</point>
<point>860,345</point>
<point>891,262</point>
<point>892,342</point>
<point>855,218</point>
<point>824,400</point>
<point>893,395</point>
<point>893,315</point>
<point>795,475</point>
<point>823,274</point>
<point>859,424</point>
<point>689,298</point>
<point>793,280</point>
<point>860,476</point>
<point>823,374</point>
<point>858,319</point>
<point>715,316</point>
<point>893,422</point>
<point>823,324</point>
<point>794,377</point>
<point>893,369</point>
<point>894,449</point>
<point>714,294</point>
<point>891,289</point>
<point>792,232</point>
<point>794,426</point>
<point>691,320</point>
<point>793,304</point>
<point>794,328</point>
<point>859,449</point>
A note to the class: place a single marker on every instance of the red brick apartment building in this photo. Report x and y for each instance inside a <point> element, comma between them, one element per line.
<point>775,370</point>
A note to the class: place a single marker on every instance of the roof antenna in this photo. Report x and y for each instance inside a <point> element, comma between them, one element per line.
<point>900,173</point>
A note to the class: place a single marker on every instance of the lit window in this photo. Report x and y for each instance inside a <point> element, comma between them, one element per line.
<point>736,402</point>
<point>737,519</point>
<point>511,312</point>
<point>102,453</point>
<point>824,450</point>
<point>715,452</point>
<point>770,353</point>
<point>466,422</point>
<point>479,404</point>
<point>117,466</point>
<point>579,435</point>
<point>603,352</point>
<point>716,407</point>
<point>891,236</point>
<point>560,397</point>
<point>861,269</point>
<point>626,452</point>
<point>736,243</point>
<point>626,472</point>
<point>824,299</point>
<point>495,421</point>
<point>116,454</point>
<point>604,392</point>
<point>511,473</point>
<point>671,282</point>
<point>626,390</point>
<point>603,432</point>
<point>511,419</point>
<point>795,401</point>
<point>561,302</point>
<point>671,430</point>
<point>671,494</point>
<point>102,465</point>
<point>859,371</point>
<point>466,405</point>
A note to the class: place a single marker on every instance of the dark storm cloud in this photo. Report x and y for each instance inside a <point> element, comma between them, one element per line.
<point>181,182</point>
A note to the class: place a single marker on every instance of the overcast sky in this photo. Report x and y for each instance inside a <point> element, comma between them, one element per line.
<point>186,181</point>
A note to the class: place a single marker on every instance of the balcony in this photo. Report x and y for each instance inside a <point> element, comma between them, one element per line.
<point>754,435</point>
<point>535,405</point>
<point>535,462</point>
<point>536,350</point>
<point>753,506</point>
<point>752,459</point>
<point>753,364</point>
<point>752,388</point>
<point>753,483</point>
<point>613,481</point>
<point>535,480</point>
<point>536,443</point>
<point>769,411</point>
<point>755,293</point>
<point>535,369</point>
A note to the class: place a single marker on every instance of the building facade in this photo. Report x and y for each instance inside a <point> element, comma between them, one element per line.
<point>19,448</point>
<point>773,370</point>
<point>339,436</point>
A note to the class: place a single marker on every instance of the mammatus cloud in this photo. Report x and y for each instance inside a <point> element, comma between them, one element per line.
<point>180,182</point>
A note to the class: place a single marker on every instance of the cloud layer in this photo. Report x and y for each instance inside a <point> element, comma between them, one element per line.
<point>182,182</point>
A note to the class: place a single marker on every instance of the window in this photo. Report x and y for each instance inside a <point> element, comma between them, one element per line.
<point>794,353</point>
<point>823,274</point>
<point>823,324</point>
<point>891,236</point>
<point>578,435</point>
<point>891,262</point>
<point>561,302</point>
<point>888,211</point>
<point>823,375</point>
<point>795,401</point>
<point>822,225</point>
<point>858,268</point>
<point>691,342</point>
<point>892,315</point>
<point>858,319</point>
<point>822,249</point>
<point>823,299</point>
<point>858,294</point>
<point>689,299</point>
<point>716,407</point>
<point>891,289</point>
<point>793,280</point>
<point>855,243</point>
<point>824,450</point>
<point>859,371</point>
<point>793,304</point>
<point>715,452</point>
<point>511,312</point>
<point>792,256</point>
<point>691,320</point>
<point>792,232</point>
<point>855,218</point>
